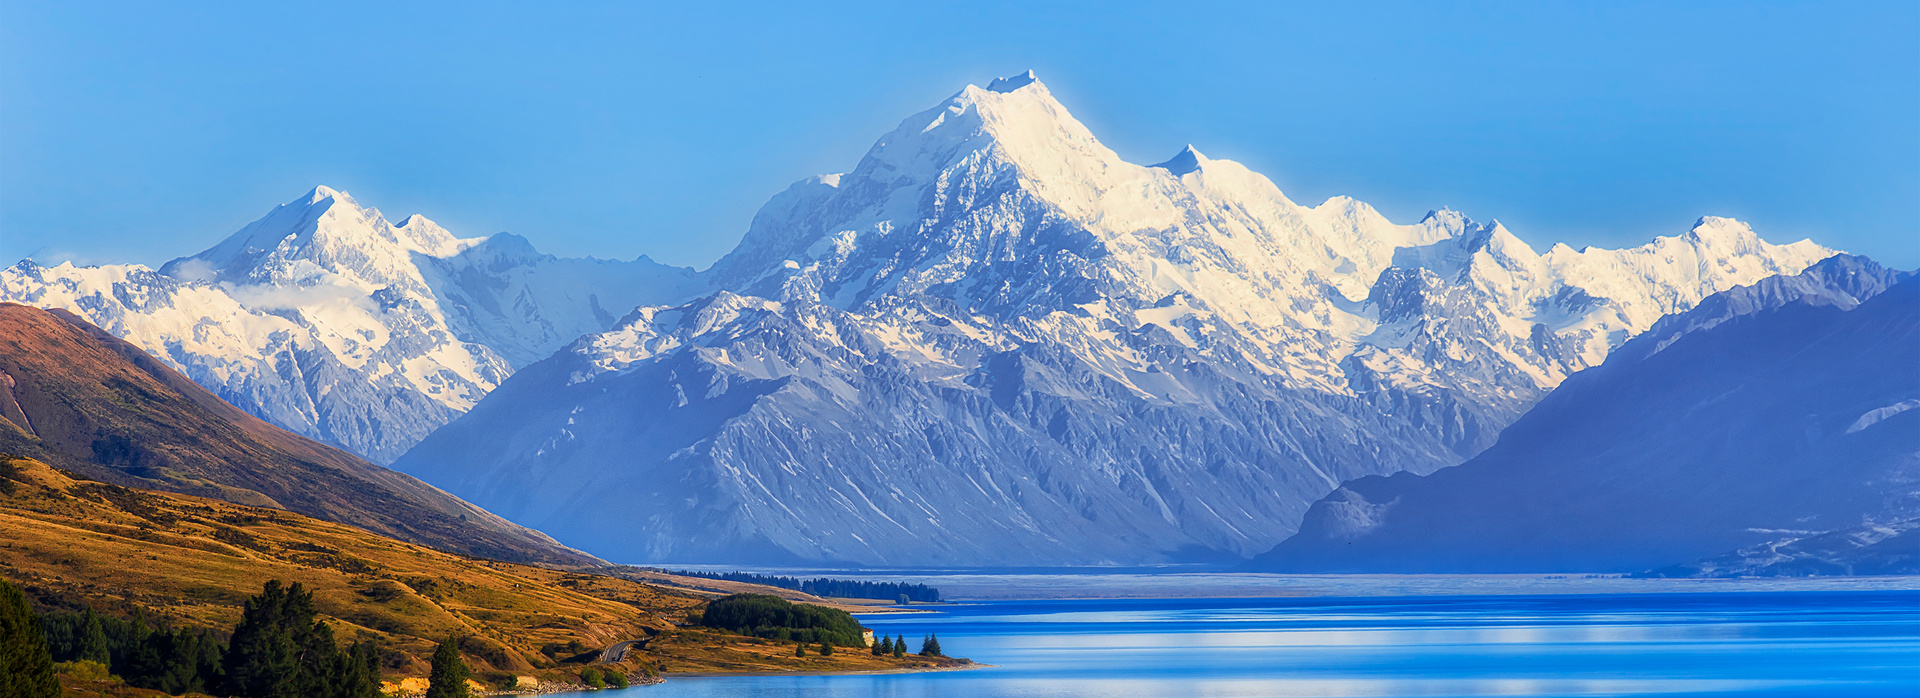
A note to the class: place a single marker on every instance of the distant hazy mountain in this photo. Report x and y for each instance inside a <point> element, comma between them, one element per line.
<point>1891,547</point>
<point>77,398</point>
<point>994,342</point>
<point>1774,418</point>
<point>327,320</point>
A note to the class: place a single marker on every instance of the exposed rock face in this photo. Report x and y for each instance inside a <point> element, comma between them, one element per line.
<point>994,342</point>
<point>80,399</point>
<point>1774,418</point>
<point>325,319</point>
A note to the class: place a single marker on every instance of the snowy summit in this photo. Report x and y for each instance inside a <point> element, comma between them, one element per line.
<point>995,341</point>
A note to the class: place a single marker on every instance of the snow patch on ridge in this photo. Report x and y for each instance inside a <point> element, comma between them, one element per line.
<point>323,318</point>
<point>1875,416</point>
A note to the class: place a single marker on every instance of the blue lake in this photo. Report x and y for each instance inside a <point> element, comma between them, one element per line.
<point>1806,643</point>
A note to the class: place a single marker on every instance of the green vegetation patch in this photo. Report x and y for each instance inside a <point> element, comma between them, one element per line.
<point>775,618</point>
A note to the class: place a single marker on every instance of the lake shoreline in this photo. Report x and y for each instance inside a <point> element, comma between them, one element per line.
<point>1804,643</point>
<point>868,672</point>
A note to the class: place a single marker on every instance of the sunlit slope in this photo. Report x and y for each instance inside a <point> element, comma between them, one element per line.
<point>193,561</point>
<point>76,397</point>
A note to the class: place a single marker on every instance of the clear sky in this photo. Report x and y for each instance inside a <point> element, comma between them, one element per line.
<point>143,131</point>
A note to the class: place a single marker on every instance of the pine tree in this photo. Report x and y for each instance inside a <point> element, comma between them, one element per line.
<point>26,668</point>
<point>450,672</point>
<point>899,646</point>
<point>800,649</point>
<point>174,661</point>
<point>882,646</point>
<point>826,648</point>
<point>930,647</point>
<point>263,659</point>
<point>280,650</point>
<point>90,642</point>
<point>356,673</point>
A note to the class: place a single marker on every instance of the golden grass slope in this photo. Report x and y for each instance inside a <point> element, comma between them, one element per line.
<point>78,398</point>
<point>193,561</point>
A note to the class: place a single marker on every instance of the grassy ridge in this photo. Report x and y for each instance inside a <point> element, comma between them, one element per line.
<point>78,398</point>
<point>191,562</point>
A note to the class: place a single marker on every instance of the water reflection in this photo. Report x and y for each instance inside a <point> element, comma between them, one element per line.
<point>1785,644</point>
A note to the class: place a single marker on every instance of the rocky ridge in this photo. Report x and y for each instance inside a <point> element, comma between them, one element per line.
<point>325,319</point>
<point>1773,419</point>
<point>995,342</point>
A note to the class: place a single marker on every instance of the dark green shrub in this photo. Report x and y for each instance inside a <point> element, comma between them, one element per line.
<point>773,617</point>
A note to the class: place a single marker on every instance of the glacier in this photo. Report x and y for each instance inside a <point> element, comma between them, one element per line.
<point>994,342</point>
<point>327,320</point>
<point>1730,427</point>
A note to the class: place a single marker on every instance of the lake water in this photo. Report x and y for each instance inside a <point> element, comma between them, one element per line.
<point>1802,643</point>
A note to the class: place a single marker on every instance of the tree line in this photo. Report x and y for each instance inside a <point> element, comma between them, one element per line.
<point>841,588</point>
<point>897,646</point>
<point>278,650</point>
<point>775,618</point>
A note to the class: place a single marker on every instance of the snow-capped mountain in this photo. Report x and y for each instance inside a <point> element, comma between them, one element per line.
<point>994,342</point>
<point>1776,419</point>
<point>325,319</point>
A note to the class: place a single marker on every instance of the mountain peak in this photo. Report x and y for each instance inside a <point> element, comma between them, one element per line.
<point>327,227</point>
<point>1012,82</point>
<point>1717,231</point>
<point>1187,160</point>
<point>322,193</point>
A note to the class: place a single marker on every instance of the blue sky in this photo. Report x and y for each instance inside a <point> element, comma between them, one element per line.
<point>139,132</point>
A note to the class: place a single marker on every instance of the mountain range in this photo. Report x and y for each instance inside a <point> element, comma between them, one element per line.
<point>327,320</point>
<point>995,342</point>
<point>1775,419</point>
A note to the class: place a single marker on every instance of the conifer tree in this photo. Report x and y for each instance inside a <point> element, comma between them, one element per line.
<point>90,641</point>
<point>450,672</point>
<point>826,648</point>
<point>263,658</point>
<point>800,649</point>
<point>899,646</point>
<point>174,661</point>
<point>356,673</point>
<point>882,646</point>
<point>280,650</point>
<point>26,668</point>
<point>930,647</point>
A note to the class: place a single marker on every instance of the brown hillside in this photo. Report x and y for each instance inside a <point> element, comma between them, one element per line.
<point>192,562</point>
<point>73,396</point>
